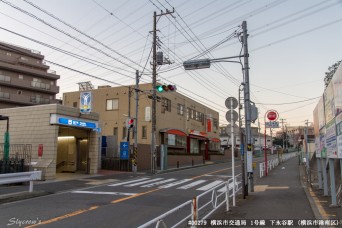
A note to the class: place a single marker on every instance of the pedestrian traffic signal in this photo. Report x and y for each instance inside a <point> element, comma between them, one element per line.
<point>166,88</point>
<point>129,123</point>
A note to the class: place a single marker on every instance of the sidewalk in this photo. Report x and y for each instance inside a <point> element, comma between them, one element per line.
<point>280,195</point>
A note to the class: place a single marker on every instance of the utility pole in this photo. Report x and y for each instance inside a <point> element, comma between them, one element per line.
<point>242,149</point>
<point>154,96</point>
<point>247,107</point>
<point>135,147</point>
<point>129,114</point>
<point>307,152</point>
<point>282,127</point>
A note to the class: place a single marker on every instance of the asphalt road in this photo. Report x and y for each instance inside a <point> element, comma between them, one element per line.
<point>121,203</point>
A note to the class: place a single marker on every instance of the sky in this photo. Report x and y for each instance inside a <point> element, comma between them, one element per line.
<point>291,44</point>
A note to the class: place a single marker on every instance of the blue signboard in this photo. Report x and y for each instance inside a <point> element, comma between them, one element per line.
<point>76,123</point>
<point>124,150</point>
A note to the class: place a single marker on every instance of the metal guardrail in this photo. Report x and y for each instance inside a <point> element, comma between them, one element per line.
<point>201,206</point>
<point>274,162</point>
<point>10,178</point>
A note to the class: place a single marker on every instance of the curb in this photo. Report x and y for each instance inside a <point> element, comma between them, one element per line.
<point>7,198</point>
<point>313,205</point>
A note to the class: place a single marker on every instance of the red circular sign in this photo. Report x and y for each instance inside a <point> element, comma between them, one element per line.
<point>272,115</point>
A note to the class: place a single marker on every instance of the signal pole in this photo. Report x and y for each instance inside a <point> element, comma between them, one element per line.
<point>154,83</point>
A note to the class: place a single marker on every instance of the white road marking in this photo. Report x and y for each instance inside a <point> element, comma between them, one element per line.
<point>127,182</point>
<point>209,186</point>
<point>158,183</point>
<point>143,182</point>
<point>175,183</point>
<point>192,184</point>
<point>105,193</point>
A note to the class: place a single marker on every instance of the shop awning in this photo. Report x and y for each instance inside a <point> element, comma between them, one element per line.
<point>215,140</point>
<point>173,131</point>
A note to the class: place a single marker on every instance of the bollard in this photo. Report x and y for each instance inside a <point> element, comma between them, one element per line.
<point>177,164</point>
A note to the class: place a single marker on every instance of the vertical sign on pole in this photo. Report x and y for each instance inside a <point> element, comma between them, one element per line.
<point>272,116</point>
<point>232,116</point>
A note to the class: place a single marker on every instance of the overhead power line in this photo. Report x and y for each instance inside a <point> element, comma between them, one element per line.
<point>69,35</point>
<point>295,102</point>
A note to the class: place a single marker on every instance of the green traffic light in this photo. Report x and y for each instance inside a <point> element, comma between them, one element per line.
<point>159,88</point>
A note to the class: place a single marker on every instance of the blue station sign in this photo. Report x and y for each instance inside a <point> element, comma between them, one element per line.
<point>73,122</point>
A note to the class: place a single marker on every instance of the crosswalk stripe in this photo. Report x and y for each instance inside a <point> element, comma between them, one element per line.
<point>143,182</point>
<point>175,183</point>
<point>192,184</point>
<point>209,186</point>
<point>158,183</point>
<point>128,182</point>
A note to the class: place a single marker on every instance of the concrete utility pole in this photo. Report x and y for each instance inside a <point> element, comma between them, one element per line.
<point>129,113</point>
<point>154,96</point>
<point>135,147</point>
<point>307,152</point>
<point>247,106</point>
<point>242,148</point>
<point>282,127</point>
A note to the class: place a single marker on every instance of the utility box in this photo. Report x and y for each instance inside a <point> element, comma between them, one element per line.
<point>159,58</point>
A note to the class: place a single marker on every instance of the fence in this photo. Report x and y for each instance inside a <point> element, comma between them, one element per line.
<point>274,162</point>
<point>200,207</point>
<point>19,159</point>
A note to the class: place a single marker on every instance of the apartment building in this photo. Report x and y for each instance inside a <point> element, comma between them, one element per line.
<point>185,126</point>
<point>25,79</point>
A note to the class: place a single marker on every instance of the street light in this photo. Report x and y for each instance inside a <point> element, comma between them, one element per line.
<point>6,138</point>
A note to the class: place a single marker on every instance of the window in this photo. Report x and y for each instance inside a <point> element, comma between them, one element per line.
<point>176,140</point>
<point>23,58</point>
<point>180,109</point>
<point>215,124</point>
<point>115,131</point>
<point>4,78</point>
<point>188,111</point>
<point>214,146</point>
<point>197,116</point>
<point>193,114</point>
<point>112,104</point>
<point>8,54</point>
<point>4,95</point>
<point>194,146</point>
<point>38,99</point>
<point>74,104</point>
<point>166,105</point>
<point>37,82</point>
<point>143,132</point>
<point>21,76</point>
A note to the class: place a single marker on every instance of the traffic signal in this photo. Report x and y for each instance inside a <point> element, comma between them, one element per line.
<point>129,123</point>
<point>166,88</point>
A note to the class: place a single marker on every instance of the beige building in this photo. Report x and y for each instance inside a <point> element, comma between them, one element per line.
<point>53,138</point>
<point>184,125</point>
<point>25,79</point>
